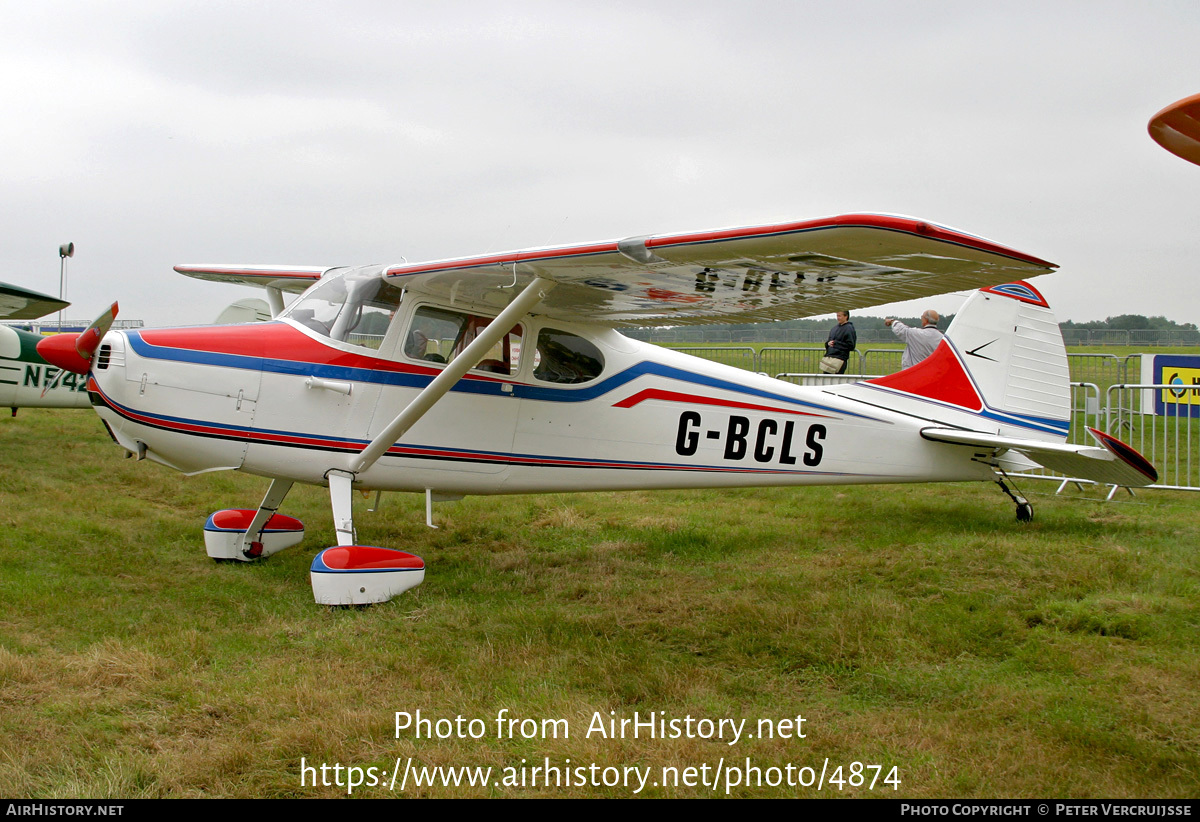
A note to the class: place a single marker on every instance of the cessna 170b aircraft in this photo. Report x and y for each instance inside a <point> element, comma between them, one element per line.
<point>505,374</point>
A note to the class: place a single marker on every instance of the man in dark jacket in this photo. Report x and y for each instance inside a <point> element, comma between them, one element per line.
<point>842,340</point>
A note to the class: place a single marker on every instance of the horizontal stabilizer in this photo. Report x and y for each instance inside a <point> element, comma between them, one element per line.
<point>249,310</point>
<point>1112,462</point>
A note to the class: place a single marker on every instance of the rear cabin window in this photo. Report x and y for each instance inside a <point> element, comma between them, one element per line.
<point>563,357</point>
<point>439,335</point>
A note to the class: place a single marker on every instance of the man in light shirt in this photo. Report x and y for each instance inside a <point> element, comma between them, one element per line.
<point>918,342</point>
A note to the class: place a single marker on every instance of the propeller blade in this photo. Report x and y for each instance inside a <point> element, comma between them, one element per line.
<point>50,385</point>
<point>73,352</point>
<point>87,342</point>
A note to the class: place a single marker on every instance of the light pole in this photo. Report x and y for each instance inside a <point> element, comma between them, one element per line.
<point>65,250</point>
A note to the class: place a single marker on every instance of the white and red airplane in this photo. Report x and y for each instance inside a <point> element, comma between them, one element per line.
<point>505,374</point>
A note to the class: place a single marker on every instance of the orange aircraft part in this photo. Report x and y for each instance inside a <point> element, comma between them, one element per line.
<point>1177,128</point>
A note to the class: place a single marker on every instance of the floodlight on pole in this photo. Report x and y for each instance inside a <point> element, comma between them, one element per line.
<point>65,250</point>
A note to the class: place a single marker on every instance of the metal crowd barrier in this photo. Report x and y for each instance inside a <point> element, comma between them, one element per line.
<point>1102,370</point>
<point>880,361</point>
<point>799,360</point>
<point>1170,439</point>
<point>737,356</point>
<point>819,379</point>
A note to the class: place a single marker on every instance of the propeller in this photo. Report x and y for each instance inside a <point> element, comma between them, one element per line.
<point>74,352</point>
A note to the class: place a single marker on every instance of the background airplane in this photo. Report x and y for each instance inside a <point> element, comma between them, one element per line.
<point>27,380</point>
<point>505,374</point>
<point>1177,128</point>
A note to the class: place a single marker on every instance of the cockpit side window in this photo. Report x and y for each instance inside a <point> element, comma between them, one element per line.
<point>320,306</point>
<point>368,313</point>
<point>563,357</point>
<point>348,308</point>
<point>439,335</point>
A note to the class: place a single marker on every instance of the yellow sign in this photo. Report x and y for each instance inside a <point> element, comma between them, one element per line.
<point>1188,380</point>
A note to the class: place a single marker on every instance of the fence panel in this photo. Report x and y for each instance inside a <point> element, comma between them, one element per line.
<point>1171,442</point>
<point>1102,370</point>
<point>819,379</point>
<point>880,361</point>
<point>790,360</point>
<point>738,357</point>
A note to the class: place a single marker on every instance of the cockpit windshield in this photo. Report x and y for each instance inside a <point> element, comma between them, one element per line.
<point>354,307</point>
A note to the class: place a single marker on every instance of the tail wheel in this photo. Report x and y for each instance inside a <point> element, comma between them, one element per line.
<point>1024,509</point>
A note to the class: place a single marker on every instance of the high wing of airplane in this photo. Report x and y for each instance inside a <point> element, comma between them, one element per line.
<point>18,303</point>
<point>26,379</point>
<point>505,373</point>
<point>276,279</point>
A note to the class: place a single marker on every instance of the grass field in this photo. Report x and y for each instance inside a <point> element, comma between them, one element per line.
<point>912,627</point>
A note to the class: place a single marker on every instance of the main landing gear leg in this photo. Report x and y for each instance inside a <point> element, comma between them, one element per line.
<point>1024,509</point>
<point>350,574</point>
<point>340,487</point>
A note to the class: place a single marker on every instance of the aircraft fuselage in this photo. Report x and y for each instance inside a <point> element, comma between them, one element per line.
<point>285,399</point>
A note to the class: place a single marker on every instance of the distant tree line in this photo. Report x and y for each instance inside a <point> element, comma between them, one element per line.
<point>1132,322</point>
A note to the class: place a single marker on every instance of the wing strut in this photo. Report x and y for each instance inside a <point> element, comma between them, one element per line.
<point>275,300</point>
<point>471,356</point>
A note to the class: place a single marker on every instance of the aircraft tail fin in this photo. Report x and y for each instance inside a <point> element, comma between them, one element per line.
<point>999,381</point>
<point>1001,367</point>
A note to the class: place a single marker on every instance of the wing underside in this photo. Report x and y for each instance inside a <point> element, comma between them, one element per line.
<point>18,303</point>
<point>753,274</point>
<point>293,279</point>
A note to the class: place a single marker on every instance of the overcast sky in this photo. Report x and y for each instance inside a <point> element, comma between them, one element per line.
<point>157,133</point>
